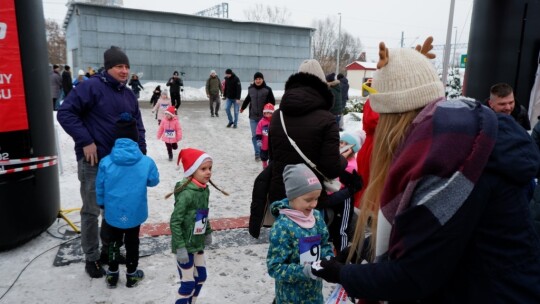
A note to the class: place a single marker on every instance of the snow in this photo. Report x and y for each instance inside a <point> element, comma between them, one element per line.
<point>236,273</point>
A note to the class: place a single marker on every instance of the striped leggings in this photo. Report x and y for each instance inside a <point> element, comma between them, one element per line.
<point>192,277</point>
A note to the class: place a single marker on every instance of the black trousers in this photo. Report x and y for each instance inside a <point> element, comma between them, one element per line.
<point>130,239</point>
<point>175,99</point>
<point>170,147</point>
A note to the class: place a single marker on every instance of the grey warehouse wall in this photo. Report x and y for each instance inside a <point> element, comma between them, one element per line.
<point>159,43</point>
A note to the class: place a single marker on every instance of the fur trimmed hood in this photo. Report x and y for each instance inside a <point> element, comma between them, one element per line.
<point>304,93</point>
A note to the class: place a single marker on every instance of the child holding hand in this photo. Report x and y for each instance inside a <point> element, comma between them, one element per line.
<point>298,238</point>
<point>261,132</point>
<point>170,130</point>
<point>189,223</point>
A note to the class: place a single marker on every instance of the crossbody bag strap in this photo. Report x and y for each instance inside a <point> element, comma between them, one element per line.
<point>295,146</point>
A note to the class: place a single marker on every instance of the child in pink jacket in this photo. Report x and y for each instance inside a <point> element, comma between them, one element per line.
<point>161,106</point>
<point>261,132</point>
<point>170,130</point>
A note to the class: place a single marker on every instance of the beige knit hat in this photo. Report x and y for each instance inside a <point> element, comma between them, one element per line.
<point>312,66</point>
<point>407,80</point>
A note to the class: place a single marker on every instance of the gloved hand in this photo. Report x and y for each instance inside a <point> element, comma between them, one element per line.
<point>328,270</point>
<point>352,181</point>
<point>308,273</point>
<point>208,240</point>
<point>259,143</point>
<point>182,255</point>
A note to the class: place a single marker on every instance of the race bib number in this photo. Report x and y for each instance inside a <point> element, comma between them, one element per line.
<point>310,249</point>
<point>201,219</point>
<point>170,133</point>
<point>164,106</point>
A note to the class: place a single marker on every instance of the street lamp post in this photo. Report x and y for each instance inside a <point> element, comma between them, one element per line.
<point>338,45</point>
<point>455,46</point>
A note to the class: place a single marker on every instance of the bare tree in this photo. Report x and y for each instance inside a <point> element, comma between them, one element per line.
<point>56,42</point>
<point>269,14</point>
<point>325,45</point>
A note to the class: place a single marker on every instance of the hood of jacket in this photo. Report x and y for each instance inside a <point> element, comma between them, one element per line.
<point>278,205</point>
<point>515,155</point>
<point>305,93</point>
<point>125,152</point>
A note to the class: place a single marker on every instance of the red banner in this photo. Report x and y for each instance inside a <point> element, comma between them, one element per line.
<point>13,116</point>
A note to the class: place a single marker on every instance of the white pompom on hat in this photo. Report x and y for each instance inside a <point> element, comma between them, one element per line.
<point>191,159</point>
<point>312,66</point>
<point>81,73</point>
<point>408,82</point>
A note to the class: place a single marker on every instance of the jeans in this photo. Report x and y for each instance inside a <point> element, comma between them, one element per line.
<point>253,124</point>
<point>231,102</point>
<point>214,98</point>
<point>89,211</point>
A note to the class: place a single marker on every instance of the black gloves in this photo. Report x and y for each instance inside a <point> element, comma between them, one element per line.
<point>352,181</point>
<point>328,270</point>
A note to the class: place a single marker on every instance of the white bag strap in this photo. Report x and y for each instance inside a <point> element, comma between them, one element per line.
<point>295,146</point>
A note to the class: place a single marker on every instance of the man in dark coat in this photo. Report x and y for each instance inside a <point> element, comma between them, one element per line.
<point>232,93</point>
<point>67,82</point>
<point>89,115</point>
<point>501,100</point>
<point>177,85</point>
<point>305,107</point>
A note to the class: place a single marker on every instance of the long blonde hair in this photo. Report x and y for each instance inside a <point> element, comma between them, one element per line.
<point>184,185</point>
<point>389,134</point>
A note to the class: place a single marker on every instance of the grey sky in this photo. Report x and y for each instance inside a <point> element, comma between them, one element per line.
<point>371,21</point>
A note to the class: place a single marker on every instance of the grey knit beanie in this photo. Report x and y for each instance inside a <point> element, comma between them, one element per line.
<point>299,180</point>
<point>408,82</point>
<point>312,66</point>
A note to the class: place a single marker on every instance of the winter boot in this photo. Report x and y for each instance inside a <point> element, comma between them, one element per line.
<point>112,278</point>
<point>132,279</point>
<point>94,269</point>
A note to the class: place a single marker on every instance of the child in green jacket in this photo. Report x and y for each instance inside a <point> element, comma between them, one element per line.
<point>189,224</point>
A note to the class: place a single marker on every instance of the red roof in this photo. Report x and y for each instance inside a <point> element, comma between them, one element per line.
<point>361,65</point>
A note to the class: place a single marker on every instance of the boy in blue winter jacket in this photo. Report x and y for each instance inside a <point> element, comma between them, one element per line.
<point>121,184</point>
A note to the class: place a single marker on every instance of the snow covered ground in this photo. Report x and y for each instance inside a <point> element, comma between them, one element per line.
<point>236,273</point>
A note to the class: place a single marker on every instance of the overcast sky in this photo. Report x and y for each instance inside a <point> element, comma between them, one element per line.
<point>371,21</point>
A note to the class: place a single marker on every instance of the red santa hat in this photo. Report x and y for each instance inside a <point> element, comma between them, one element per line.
<point>268,108</point>
<point>191,160</point>
<point>170,110</point>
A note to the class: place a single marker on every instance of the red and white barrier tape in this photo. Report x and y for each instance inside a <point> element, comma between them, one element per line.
<point>25,160</point>
<point>43,164</point>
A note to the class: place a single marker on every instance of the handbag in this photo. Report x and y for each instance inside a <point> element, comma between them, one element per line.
<point>332,185</point>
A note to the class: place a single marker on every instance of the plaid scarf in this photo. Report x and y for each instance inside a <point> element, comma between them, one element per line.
<point>434,171</point>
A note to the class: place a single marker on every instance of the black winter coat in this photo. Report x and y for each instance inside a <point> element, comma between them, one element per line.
<point>233,87</point>
<point>305,105</point>
<point>257,97</point>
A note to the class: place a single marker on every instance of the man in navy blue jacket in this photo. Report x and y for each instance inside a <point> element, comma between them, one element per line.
<point>89,116</point>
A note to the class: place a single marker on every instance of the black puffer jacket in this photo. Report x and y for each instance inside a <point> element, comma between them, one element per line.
<point>305,105</point>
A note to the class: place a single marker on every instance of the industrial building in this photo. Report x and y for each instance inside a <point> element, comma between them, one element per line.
<point>158,43</point>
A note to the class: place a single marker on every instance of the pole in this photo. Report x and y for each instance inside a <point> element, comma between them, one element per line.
<point>339,45</point>
<point>402,38</point>
<point>455,47</point>
<point>448,42</point>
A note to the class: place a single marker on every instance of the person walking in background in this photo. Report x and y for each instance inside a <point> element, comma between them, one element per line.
<point>344,82</point>
<point>335,88</point>
<point>121,191</point>
<point>56,85</point>
<point>80,78</point>
<point>161,106</point>
<point>213,91</point>
<point>135,85</point>
<point>261,133</point>
<point>67,83</point>
<point>155,95</point>
<point>190,225</point>
<point>232,93</point>
<point>89,115</point>
<point>501,100</point>
<point>258,95</point>
<point>445,199</point>
<point>177,85</point>
<point>298,238</point>
<point>170,131</point>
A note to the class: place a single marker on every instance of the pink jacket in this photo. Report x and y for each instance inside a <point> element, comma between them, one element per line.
<point>170,130</point>
<point>262,130</point>
<point>161,106</point>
